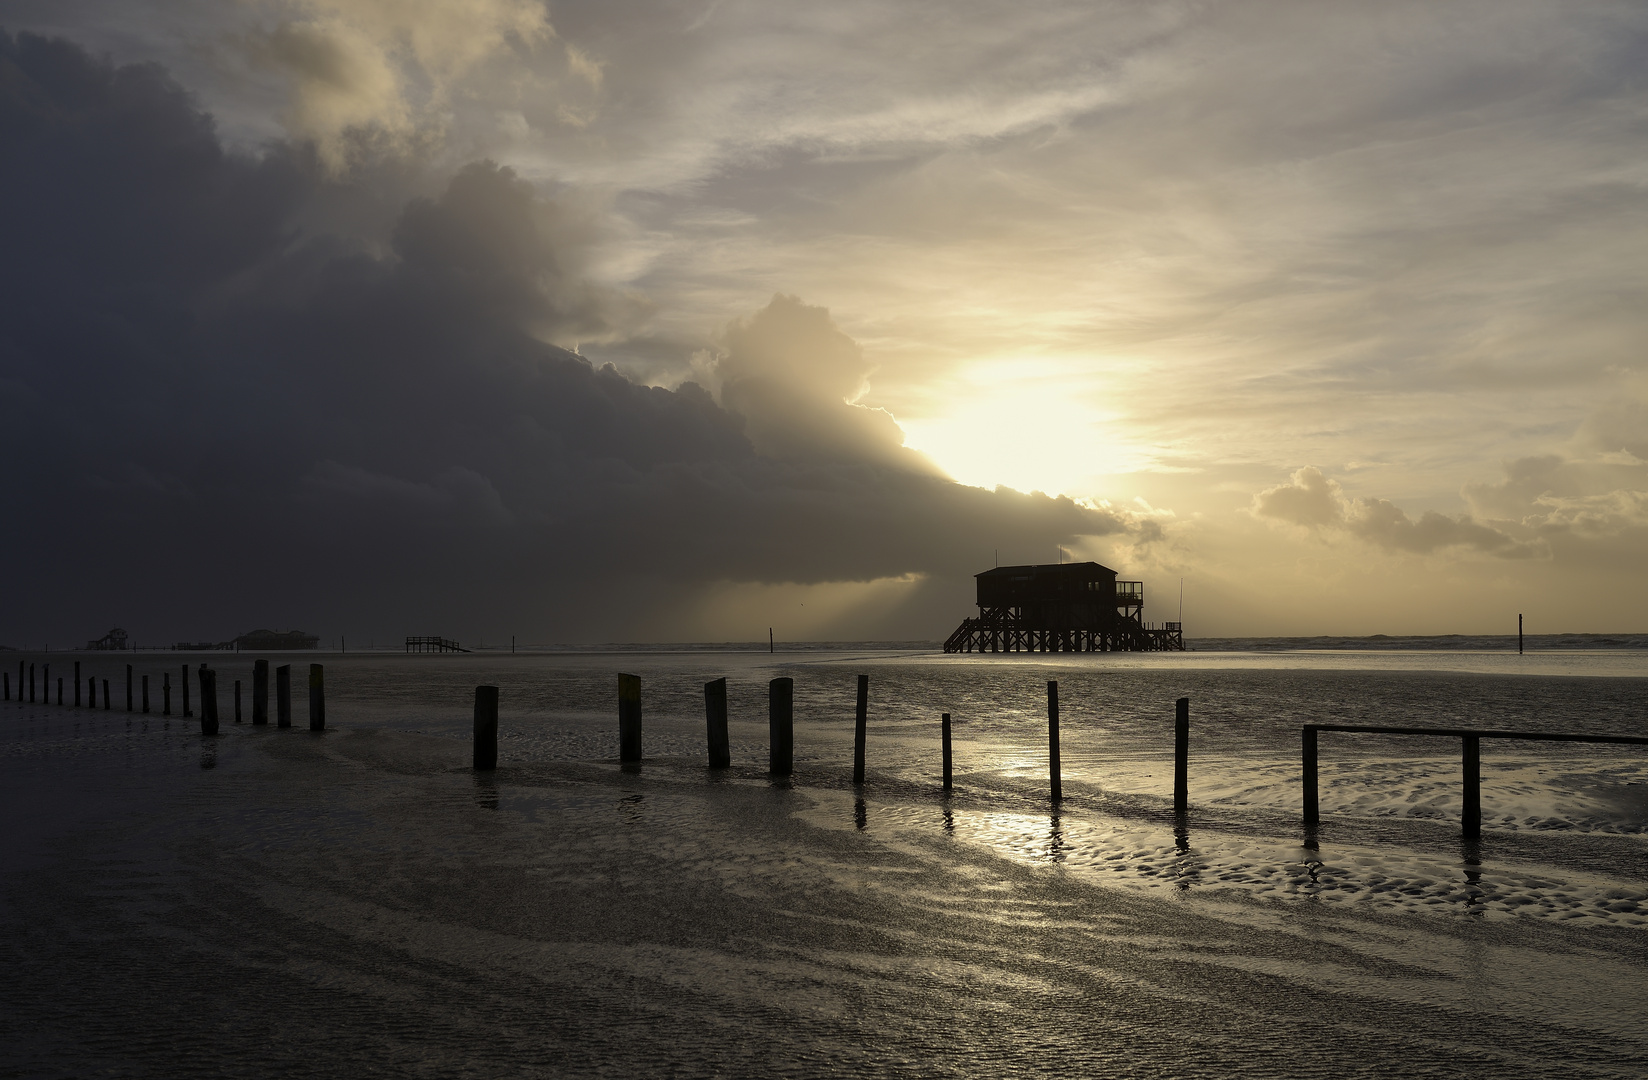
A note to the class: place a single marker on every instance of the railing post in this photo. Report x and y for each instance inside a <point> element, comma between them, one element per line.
<point>781,726</point>
<point>486,727</point>
<point>1471,818</point>
<point>283,696</point>
<point>1053,771</point>
<point>317,697</point>
<point>1308,785</point>
<point>1181,755</point>
<point>260,692</point>
<point>944,735</point>
<point>861,719</point>
<point>715,723</point>
<point>629,717</point>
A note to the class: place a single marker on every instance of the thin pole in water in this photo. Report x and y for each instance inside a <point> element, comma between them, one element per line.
<point>1053,739</point>
<point>781,726</point>
<point>770,647</point>
<point>486,727</point>
<point>1519,635</point>
<point>715,720</point>
<point>1307,786</point>
<point>1471,755</point>
<point>859,724</point>
<point>317,697</point>
<point>1181,756</point>
<point>629,717</point>
<point>944,736</point>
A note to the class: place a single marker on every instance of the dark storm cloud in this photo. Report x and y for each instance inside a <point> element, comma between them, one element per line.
<point>215,419</point>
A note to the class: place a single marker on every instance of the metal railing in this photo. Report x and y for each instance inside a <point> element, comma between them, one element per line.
<point>1470,755</point>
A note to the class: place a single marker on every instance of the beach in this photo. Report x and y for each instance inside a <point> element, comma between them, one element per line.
<point>360,902</point>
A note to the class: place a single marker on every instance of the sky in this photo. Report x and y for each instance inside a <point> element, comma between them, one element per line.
<point>592,322</point>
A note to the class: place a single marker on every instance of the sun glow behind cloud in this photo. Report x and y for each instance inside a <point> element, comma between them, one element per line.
<point>1027,424</point>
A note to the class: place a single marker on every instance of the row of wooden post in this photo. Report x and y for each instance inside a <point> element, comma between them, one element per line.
<point>208,693</point>
<point>781,732</point>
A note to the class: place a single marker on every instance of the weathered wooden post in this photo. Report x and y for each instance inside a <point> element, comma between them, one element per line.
<point>486,727</point>
<point>715,719</point>
<point>208,701</point>
<point>145,694</point>
<point>187,711</point>
<point>860,722</point>
<point>128,688</point>
<point>77,684</point>
<point>6,678</point>
<point>1053,738</point>
<point>105,695</point>
<point>60,689</point>
<point>944,735</point>
<point>1181,755</point>
<point>45,684</point>
<point>781,726</point>
<point>166,693</point>
<point>31,684</point>
<point>283,696</point>
<point>317,698</point>
<point>629,717</point>
<point>237,701</point>
<point>1471,818</point>
<point>1307,741</point>
<point>260,692</point>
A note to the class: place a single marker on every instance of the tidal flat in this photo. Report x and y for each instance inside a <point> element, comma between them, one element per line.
<point>360,902</point>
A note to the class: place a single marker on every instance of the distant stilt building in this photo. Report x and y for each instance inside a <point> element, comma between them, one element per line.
<point>433,644</point>
<point>1062,607</point>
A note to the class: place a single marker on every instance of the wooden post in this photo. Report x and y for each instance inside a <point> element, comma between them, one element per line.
<point>1053,738</point>
<point>237,701</point>
<point>105,694</point>
<point>1181,755</point>
<point>60,689</point>
<point>1471,819</point>
<point>166,694</point>
<point>128,688</point>
<point>77,684</point>
<point>860,721</point>
<point>187,711</point>
<point>145,694</point>
<point>283,696</point>
<point>1519,635</point>
<point>629,717</point>
<point>770,647</point>
<point>486,727</point>
<point>715,720</point>
<point>944,736</point>
<point>208,701</point>
<point>6,677</point>
<point>260,692</point>
<point>1307,741</point>
<point>31,684</point>
<point>781,726</point>
<point>91,692</point>
<point>45,684</point>
<point>317,698</point>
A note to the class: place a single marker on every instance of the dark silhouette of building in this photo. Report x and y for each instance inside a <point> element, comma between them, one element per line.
<point>1063,607</point>
<point>114,640</point>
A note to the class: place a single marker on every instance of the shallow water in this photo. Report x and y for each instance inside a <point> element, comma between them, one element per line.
<point>359,902</point>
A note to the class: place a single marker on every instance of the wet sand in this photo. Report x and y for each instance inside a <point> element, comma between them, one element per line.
<point>359,903</point>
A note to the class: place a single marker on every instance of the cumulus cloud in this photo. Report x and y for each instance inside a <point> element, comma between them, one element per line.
<point>1317,502</point>
<point>226,411</point>
<point>367,73</point>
